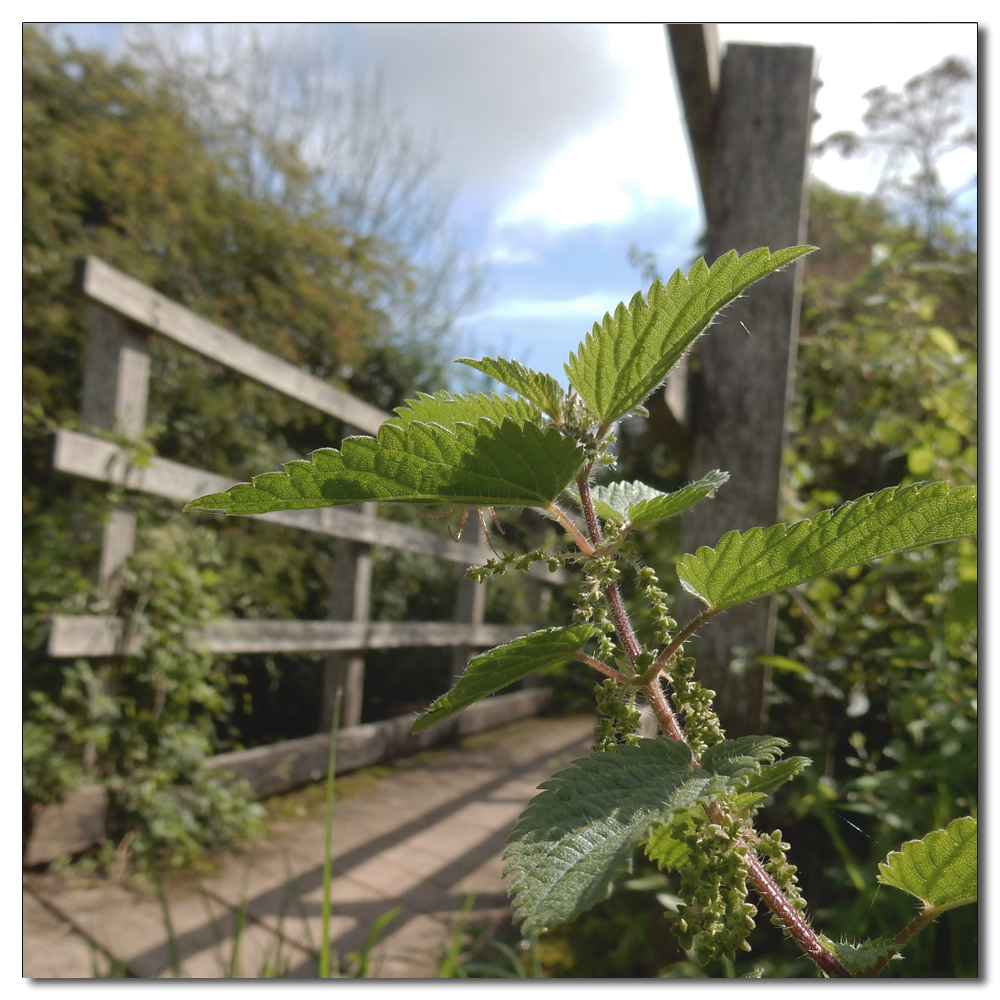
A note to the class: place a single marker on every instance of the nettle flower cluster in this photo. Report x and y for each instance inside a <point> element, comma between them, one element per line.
<point>688,797</point>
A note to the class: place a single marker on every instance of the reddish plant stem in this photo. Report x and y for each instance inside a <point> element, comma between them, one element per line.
<point>623,625</point>
<point>917,924</point>
<point>685,633</point>
<point>779,904</point>
<point>793,921</point>
<point>554,512</point>
<point>587,503</point>
<point>602,667</point>
<point>664,713</point>
<point>776,900</point>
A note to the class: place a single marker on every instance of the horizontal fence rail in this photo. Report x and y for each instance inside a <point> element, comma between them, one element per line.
<point>137,302</point>
<point>94,458</point>
<point>117,373</point>
<point>102,635</point>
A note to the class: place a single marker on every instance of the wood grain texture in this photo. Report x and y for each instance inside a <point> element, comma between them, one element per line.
<point>741,384</point>
<point>281,766</point>
<point>99,635</point>
<point>131,298</point>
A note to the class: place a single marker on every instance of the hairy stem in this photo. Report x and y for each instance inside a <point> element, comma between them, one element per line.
<point>664,713</point>
<point>602,667</point>
<point>623,625</point>
<point>793,921</point>
<point>685,633</point>
<point>914,927</point>
<point>556,514</point>
<point>587,503</point>
<point>779,904</point>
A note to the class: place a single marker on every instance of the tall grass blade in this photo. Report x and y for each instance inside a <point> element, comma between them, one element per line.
<point>172,951</point>
<point>449,967</point>
<point>324,948</point>
<point>363,957</point>
<point>234,971</point>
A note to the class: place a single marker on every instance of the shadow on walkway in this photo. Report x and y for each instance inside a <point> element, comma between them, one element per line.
<point>421,838</point>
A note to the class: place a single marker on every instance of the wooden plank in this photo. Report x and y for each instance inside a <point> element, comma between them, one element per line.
<point>115,375</point>
<point>470,608</point>
<point>695,50</point>
<point>79,821</point>
<point>740,393</point>
<point>67,826</point>
<point>115,395</point>
<point>99,635</point>
<point>94,458</point>
<point>281,766</point>
<point>350,600</point>
<point>131,298</point>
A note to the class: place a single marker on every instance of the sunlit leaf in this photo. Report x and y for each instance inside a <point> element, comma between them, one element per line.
<point>448,409</point>
<point>542,389</point>
<point>498,667</point>
<point>941,869</point>
<point>752,564</point>
<point>513,463</point>
<point>627,356</point>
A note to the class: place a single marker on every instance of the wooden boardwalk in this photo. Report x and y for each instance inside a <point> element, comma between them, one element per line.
<point>422,835</point>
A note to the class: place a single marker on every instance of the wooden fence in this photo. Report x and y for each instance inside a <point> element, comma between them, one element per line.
<point>124,313</point>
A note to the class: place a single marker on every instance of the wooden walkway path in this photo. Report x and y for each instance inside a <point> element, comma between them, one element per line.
<point>422,836</point>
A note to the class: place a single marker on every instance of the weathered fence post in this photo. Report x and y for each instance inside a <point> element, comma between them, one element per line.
<point>350,600</point>
<point>115,393</point>
<point>116,384</point>
<point>741,381</point>
<point>470,607</point>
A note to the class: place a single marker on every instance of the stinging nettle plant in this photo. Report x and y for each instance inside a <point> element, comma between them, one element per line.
<point>688,796</point>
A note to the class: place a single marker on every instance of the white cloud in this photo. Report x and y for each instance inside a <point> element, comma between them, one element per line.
<point>586,306</point>
<point>506,255</point>
<point>635,163</point>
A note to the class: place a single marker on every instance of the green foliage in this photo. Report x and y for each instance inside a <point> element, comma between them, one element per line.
<point>115,167</point>
<point>635,503</point>
<point>510,464</point>
<point>580,831</point>
<point>889,695</point>
<point>538,387</point>
<point>858,958</point>
<point>749,565</point>
<point>941,870</point>
<point>692,804</point>
<point>618,718</point>
<point>626,357</point>
<point>143,728</point>
<point>503,665</point>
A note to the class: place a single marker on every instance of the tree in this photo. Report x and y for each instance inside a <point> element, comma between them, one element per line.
<point>260,95</point>
<point>114,166</point>
<point>913,130</point>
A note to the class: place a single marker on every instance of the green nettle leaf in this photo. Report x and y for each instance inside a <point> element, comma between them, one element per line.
<point>541,388</point>
<point>742,757</point>
<point>512,464</point>
<point>495,669</point>
<point>636,503</point>
<point>746,566</point>
<point>581,829</point>
<point>941,869</point>
<point>773,776</point>
<point>448,409</point>
<point>626,357</point>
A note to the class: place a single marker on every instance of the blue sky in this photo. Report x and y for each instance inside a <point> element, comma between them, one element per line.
<point>564,145</point>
